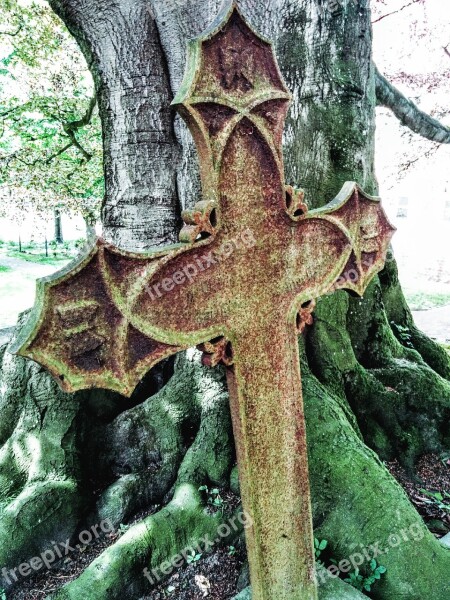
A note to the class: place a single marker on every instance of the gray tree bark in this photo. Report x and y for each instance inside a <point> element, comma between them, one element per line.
<point>121,44</point>
<point>409,113</point>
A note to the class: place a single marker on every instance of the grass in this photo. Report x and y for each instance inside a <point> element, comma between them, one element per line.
<point>39,258</point>
<point>17,286</point>
<point>35,252</point>
<point>426,300</point>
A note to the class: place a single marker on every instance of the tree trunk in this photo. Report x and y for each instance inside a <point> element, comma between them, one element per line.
<point>58,227</point>
<point>367,395</point>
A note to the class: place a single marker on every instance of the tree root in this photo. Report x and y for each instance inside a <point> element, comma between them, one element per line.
<point>389,392</point>
<point>119,571</point>
<point>357,505</point>
<point>39,496</point>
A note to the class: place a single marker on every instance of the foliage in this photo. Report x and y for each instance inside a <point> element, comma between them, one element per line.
<point>418,66</point>
<point>356,578</point>
<point>4,269</point>
<point>192,557</point>
<point>214,498</point>
<point>442,501</point>
<point>362,583</point>
<point>123,529</point>
<point>2,594</point>
<point>50,139</point>
<point>319,547</point>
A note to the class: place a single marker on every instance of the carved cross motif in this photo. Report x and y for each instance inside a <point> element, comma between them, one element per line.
<point>241,284</point>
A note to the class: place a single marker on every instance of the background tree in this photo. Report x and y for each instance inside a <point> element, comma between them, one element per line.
<point>50,143</point>
<point>370,393</point>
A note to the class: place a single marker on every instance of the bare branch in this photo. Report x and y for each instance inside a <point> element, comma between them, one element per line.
<point>446,50</point>
<point>408,113</point>
<point>12,110</point>
<point>76,143</point>
<point>394,12</point>
<point>46,161</point>
<point>86,119</point>
<point>72,126</point>
<point>60,151</point>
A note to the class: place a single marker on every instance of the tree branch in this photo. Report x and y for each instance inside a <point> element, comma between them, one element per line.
<point>58,153</point>
<point>76,143</point>
<point>446,50</point>
<point>394,12</point>
<point>86,119</point>
<point>408,113</point>
<point>72,126</point>
<point>46,161</point>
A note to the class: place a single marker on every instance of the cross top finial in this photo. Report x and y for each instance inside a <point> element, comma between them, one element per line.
<point>232,77</point>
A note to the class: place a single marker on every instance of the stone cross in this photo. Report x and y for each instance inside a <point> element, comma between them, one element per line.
<point>252,258</point>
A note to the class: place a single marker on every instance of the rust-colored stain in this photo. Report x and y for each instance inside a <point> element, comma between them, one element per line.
<point>241,284</point>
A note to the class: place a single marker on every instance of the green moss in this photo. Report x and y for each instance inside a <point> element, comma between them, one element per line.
<point>182,523</point>
<point>357,503</point>
<point>234,481</point>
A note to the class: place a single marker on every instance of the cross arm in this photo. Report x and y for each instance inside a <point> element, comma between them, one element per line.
<point>78,328</point>
<point>357,233</point>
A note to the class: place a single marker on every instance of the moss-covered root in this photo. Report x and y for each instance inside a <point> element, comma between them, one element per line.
<point>193,393</point>
<point>39,497</point>
<point>182,434</point>
<point>360,508</point>
<point>398,312</point>
<point>119,572</point>
<point>402,406</point>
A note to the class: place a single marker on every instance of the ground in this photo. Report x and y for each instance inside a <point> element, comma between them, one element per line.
<point>221,573</point>
<point>17,279</point>
<point>435,322</point>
